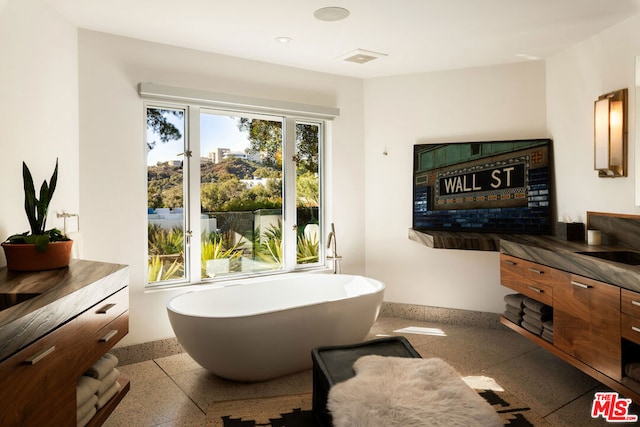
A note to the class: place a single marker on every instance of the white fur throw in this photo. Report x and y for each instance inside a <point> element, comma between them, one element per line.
<point>407,392</point>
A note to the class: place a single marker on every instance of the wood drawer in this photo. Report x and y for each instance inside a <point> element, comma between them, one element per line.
<point>630,328</point>
<point>510,270</point>
<point>40,373</point>
<point>537,272</point>
<point>104,312</point>
<point>630,303</point>
<point>102,341</point>
<point>517,274</point>
<point>542,292</point>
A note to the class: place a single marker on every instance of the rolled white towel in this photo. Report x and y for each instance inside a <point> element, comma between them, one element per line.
<point>102,367</point>
<point>102,400</point>
<point>108,381</point>
<point>86,407</point>
<point>86,387</point>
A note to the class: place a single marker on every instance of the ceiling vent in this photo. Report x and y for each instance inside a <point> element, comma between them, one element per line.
<point>361,56</point>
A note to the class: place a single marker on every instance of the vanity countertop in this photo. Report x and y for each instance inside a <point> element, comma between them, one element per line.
<point>52,298</point>
<point>565,255</point>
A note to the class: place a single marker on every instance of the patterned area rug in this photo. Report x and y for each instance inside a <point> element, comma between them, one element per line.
<point>295,411</point>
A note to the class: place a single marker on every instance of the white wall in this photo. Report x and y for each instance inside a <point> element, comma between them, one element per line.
<point>44,60</point>
<point>575,79</point>
<point>491,103</point>
<point>112,162</point>
<point>39,109</point>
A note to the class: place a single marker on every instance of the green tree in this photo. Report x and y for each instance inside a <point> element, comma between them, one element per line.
<point>161,128</point>
<point>307,190</point>
<point>307,148</point>
<point>265,137</point>
<point>172,197</point>
<point>216,196</point>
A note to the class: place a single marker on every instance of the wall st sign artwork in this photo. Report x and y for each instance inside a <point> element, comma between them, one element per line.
<point>498,187</point>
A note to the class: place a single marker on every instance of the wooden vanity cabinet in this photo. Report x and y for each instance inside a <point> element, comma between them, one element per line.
<point>630,322</point>
<point>591,320</point>
<point>586,319</point>
<point>38,383</point>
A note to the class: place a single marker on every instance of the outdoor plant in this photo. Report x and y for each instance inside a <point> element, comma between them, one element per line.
<point>214,248</point>
<point>165,242</point>
<point>157,271</point>
<point>166,253</point>
<point>37,210</point>
<point>269,246</point>
<point>307,249</point>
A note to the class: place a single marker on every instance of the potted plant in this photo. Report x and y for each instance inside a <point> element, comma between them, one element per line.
<point>37,249</point>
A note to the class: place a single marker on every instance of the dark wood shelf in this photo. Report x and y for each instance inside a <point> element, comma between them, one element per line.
<point>102,415</point>
<point>460,241</point>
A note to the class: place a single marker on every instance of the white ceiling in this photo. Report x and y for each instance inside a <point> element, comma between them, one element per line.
<point>417,35</point>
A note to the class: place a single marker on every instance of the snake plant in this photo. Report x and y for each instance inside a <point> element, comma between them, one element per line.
<point>36,210</point>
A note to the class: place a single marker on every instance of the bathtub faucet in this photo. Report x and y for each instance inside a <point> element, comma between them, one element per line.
<point>331,244</point>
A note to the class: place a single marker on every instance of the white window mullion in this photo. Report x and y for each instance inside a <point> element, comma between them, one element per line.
<point>289,222</point>
<point>193,199</point>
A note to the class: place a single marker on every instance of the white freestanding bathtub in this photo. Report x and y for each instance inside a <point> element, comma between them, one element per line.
<point>260,331</point>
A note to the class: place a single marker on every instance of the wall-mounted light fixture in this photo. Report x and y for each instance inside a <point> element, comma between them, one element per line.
<point>610,134</point>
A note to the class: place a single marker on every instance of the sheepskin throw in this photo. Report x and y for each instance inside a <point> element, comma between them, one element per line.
<point>407,392</point>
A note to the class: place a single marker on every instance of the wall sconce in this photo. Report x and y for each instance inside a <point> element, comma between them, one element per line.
<point>610,134</point>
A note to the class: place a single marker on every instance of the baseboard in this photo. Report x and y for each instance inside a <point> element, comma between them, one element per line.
<point>147,351</point>
<point>168,347</point>
<point>451,316</point>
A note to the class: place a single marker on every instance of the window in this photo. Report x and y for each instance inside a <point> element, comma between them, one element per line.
<point>231,193</point>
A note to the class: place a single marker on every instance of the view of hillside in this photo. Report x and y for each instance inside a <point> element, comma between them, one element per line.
<point>222,187</point>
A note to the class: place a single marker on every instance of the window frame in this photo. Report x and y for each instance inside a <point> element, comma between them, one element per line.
<point>191,189</point>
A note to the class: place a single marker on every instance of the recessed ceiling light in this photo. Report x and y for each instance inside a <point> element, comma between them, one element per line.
<point>331,13</point>
<point>283,40</point>
<point>527,57</point>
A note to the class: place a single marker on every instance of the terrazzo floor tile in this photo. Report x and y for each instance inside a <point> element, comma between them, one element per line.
<point>576,410</point>
<point>142,371</point>
<point>542,380</point>
<point>387,326</point>
<point>155,402</point>
<point>177,364</point>
<point>175,391</point>
<point>205,388</point>
<point>490,347</point>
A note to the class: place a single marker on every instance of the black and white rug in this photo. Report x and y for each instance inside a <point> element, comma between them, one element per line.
<point>295,411</point>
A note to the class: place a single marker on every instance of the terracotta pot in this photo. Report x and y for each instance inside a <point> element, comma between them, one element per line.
<point>25,257</point>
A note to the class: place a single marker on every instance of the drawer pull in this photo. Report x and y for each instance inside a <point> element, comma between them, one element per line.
<point>109,335</point>
<point>40,355</point>
<point>635,329</point>
<point>635,302</point>
<point>534,289</point>
<point>580,285</point>
<point>506,261</point>
<point>106,308</point>
<point>535,270</point>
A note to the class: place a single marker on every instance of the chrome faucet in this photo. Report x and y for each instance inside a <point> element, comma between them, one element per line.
<point>331,244</point>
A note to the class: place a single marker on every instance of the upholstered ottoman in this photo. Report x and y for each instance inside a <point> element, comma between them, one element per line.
<point>334,364</point>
